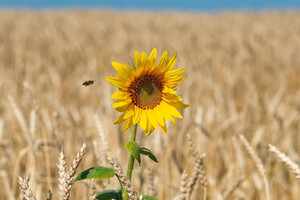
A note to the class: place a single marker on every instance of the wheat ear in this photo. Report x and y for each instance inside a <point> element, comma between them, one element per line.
<point>183,186</point>
<point>66,178</point>
<point>150,183</point>
<point>49,195</point>
<point>27,193</point>
<point>258,163</point>
<point>62,174</point>
<point>192,146</point>
<point>125,182</point>
<point>92,190</point>
<point>198,174</point>
<point>198,171</point>
<point>77,161</point>
<point>102,134</point>
<point>286,160</point>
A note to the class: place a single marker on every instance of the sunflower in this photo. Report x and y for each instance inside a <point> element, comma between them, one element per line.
<point>146,92</point>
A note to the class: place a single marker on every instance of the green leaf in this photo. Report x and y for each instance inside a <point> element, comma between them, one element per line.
<point>134,150</point>
<point>110,194</point>
<point>96,172</point>
<point>146,197</point>
<point>147,152</point>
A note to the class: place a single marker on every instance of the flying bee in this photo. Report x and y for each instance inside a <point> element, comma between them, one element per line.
<point>89,82</point>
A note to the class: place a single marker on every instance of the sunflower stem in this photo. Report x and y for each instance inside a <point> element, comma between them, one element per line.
<point>130,165</point>
<point>132,137</point>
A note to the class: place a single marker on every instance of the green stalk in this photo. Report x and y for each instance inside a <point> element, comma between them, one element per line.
<point>130,165</point>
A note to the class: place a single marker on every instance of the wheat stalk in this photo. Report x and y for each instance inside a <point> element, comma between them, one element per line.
<point>32,122</point>
<point>231,189</point>
<point>238,152</point>
<point>125,182</point>
<point>10,194</point>
<point>286,160</point>
<point>1,128</point>
<point>258,163</point>
<point>20,118</point>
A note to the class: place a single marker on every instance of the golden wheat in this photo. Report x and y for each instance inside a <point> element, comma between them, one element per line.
<point>242,77</point>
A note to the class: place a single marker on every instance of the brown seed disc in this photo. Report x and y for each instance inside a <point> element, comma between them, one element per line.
<point>146,92</point>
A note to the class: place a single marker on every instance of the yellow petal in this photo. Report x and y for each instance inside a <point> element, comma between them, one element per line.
<point>143,120</point>
<point>173,82</point>
<point>168,90</point>
<point>122,108</point>
<point>115,81</point>
<point>163,127</point>
<point>119,95</point>
<point>171,97</point>
<point>124,71</point>
<point>165,114</point>
<point>137,115</point>
<point>170,109</point>
<point>179,105</point>
<point>120,119</point>
<point>175,72</point>
<point>144,59</point>
<point>163,60</point>
<point>174,122</point>
<point>137,59</point>
<point>150,130</point>
<point>172,61</point>
<point>127,124</point>
<point>129,112</point>
<point>159,116</point>
<point>152,56</point>
<point>147,129</point>
<point>152,118</point>
<point>120,103</point>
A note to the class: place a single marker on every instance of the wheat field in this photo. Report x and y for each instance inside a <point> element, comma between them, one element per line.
<point>242,83</point>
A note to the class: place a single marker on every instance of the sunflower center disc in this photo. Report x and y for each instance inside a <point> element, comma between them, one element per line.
<point>146,92</point>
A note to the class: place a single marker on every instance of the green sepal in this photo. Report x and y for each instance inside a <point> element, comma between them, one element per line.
<point>110,194</point>
<point>133,65</point>
<point>134,150</point>
<point>147,152</point>
<point>96,173</point>
<point>146,197</point>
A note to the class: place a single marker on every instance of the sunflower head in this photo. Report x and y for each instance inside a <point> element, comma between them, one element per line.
<point>146,94</point>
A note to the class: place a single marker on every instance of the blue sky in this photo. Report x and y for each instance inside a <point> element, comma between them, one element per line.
<point>202,5</point>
